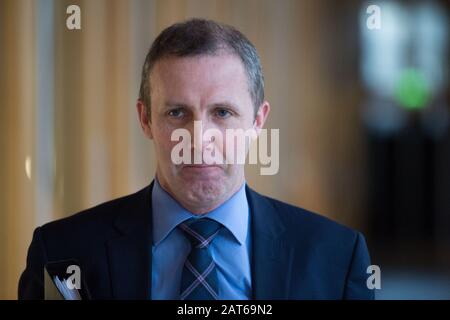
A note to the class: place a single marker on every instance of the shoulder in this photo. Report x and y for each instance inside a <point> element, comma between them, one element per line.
<point>336,252</point>
<point>93,222</point>
<point>301,224</point>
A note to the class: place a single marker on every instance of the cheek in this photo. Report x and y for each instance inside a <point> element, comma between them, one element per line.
<point>162,135</point>
<point>237,144</point>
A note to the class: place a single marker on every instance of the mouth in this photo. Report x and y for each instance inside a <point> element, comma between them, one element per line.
<point>201,166</point>
<point>202,169</point>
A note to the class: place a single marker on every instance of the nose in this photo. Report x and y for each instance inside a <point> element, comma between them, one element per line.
<point>203,141</point>
<point>200,141</point>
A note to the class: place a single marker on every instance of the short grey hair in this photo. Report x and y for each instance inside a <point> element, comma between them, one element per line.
<point>197,37</point>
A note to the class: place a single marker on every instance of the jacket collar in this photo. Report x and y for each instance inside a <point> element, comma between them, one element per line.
<point>272,254</point>
<point>129,254</point>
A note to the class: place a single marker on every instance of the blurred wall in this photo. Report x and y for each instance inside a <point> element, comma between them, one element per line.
<point>70,137</point>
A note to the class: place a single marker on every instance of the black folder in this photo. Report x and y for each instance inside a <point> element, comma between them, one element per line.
<point>55,286</point>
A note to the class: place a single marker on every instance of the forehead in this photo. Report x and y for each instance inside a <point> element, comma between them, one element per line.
<point>204,75</point>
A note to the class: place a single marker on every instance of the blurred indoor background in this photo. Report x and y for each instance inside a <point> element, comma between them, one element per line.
<point>363,116</point>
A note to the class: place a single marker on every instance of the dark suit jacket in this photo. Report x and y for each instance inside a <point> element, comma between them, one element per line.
<point>296,254</point>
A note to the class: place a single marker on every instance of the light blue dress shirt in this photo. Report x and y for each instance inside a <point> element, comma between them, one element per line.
<point>230,249</point>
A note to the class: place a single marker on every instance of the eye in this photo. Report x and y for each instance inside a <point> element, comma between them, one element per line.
<point>176,113</point>
<point>223,113</point>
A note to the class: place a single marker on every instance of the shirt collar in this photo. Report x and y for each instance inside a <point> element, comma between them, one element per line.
<point>168,213</point>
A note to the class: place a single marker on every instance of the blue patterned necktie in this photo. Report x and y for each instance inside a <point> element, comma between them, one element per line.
<point>199,278</point>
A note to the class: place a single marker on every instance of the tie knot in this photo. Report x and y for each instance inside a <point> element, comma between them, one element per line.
<point>200,232</point>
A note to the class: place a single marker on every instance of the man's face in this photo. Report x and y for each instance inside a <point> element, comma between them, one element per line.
<point>212,89</point>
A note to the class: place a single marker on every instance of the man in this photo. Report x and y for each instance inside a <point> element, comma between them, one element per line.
<point>198,231</point>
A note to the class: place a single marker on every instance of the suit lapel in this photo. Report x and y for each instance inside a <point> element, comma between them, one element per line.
<point>129,254</point>
<point>272,255</point>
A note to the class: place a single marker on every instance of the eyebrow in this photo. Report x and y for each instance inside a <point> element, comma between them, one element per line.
<point>171,104</point>
<point>225,104</point>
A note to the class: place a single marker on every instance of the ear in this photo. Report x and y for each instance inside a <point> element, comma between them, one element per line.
<point>261,116</point>
<point>146,125</point>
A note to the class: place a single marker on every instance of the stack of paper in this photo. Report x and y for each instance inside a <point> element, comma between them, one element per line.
<point>63,288</point>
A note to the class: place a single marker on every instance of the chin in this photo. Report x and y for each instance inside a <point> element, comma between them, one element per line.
<point>202,192</point>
